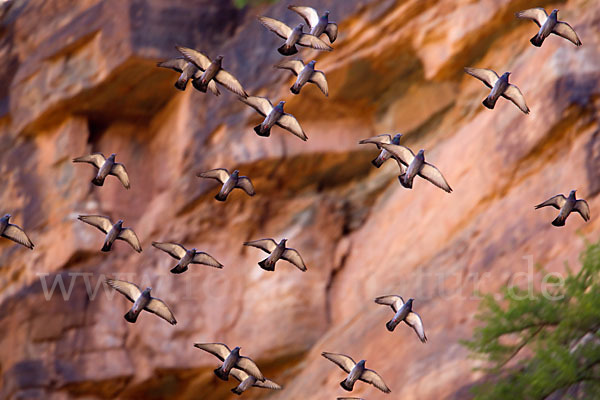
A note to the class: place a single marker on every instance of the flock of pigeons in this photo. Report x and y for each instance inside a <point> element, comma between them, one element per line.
<point>205,75</point>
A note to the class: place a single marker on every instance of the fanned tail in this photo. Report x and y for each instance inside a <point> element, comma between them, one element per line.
<point>378,162</point>
<point>404,182</point>
<point>346,386</point>
<point>536,41</point>
<point>390,325</point>
<point>221,375</point>
<point>489,103</point>
<point>287,50</point>
<point>262,132</point>
<point>131,316</point>
<point>559,221</point>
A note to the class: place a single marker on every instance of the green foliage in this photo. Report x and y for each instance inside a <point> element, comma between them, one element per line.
<point>539,344</point>
<point>244,3</point>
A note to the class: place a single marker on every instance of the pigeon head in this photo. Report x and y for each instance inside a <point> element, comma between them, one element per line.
<point>218,58</point>
<point>409,303</point>
<point>327,13</point>
<point>236,172</point>
<point>281,104</point>
<point>300,27</point>
<point>555,11</point>
<point>194,250</point>
<point>361,363</point>
<point>236,350</point>
<point>148,289</point>
<point>7,216</point>
<point>421,152</point>
<point>573,193</point>
<point>312,63</point>
<point>505,76</point>
<point>113,155</point>
<point>119,222</point>
<point>397,137</point>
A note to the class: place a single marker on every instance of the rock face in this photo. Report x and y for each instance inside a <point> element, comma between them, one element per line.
<point>81,76</point>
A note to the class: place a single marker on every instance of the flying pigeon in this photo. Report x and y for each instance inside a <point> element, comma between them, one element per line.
<point>305,73</point>
<point>14,232</point>
<point>229,182</point>
<point>500,87</point>
<point>106,166</point>
<point>293,37</point>
<point>231,359</point>
<point>186,257</point>
<point>404,313</point>
<point>277,251</point>
<point>356,371</point>
<point>273,116</point>
<point>141,301</point>
<point>416,166</point>
<point>211,70</point>
<point>318,25</point>
<point>248,381</point>
<point>188,71</point>
<point>567,205</point>
<point>384,155</point>
<point>548,25</point>
<point>113,232</point>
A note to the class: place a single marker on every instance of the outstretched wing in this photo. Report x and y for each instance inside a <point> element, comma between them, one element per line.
<point>309,14</point>
<point>308,40</point>
<point>262,105</point>
<point>275,26</point>
<point>100,222</point>
<point>343,361</point>
<point>582,207</point>
<point>249,366</point>
<point>194,56</point>
<point>378,140</point>
<point>319,79</point>
<point>290,123</point>
<point>175,250</point>
<point>374,379</point>
<point>16,234</point>
<point>537,15</point>
<point>220,174</point>
<point>557,202</point>
<point>231,83</point>
<point>267,384</point>
<point>400,153</point>
<point>332,31</point>
<point>433,175</point>
<point>565,30</point>
<point>396,302</point>
<point>204,258</point>
<point>96,159</point>
<point>128,289</point>
<point>160,308</point>
<point>245,184</point>
<point>177,64</point>
<point>486,76</point>
<point>219,350</point>
<point>294,257</point>
<point>296,66</point>
<point>414,321</point>
<point>266,245</point>
<point>129,236</point>
<point>120,172</point>
<point>513,94</point>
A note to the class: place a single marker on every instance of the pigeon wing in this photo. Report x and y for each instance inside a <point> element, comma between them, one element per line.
<point>245,184</point>
<point>513,94</point>
<point>275,26</point>
<point>212,86</point>
<point>120,172</point>
<point>160,308</point>
<point>296,66</point>
<point>219,350</point>
<point>378,140</point>
<point>331,31</point>
<point>175,250</point>
<point>220,174</point>
<point>309,14</point>
<point>96,159</point>
<point>239,374</point>
<point>537,15</point>
<point>433,175</point>
<point>129,236</point>
<point>294,257</point>
<point>231,83</point>
<point>262,105</point>
<point>206,259</point>
<point>343,361</point>
<point>487,76</point>
<point>393,301</point>
<point>582,207</point>
<point>16,234</point>
<point>374,379</point>
<point>565,30</point>
<point>249,366</point>
<point>290,123</point>
<point>100,222</point>
<point>400,153</point>
<point>128,289</point>
<point>557,202</point>
<point>319,79</point>
<point>314,42</point>
<point>266,245</point>
<point>414,321</point>
<point>178,64</point>
<point>194,56</point>
<point>267,384</point>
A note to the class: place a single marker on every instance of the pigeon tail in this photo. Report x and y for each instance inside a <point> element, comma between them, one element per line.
<point>131,316</point>
<point>287,50</point>
<point>489,103</point>
<point>107,246</point>
<point>390,325</point>
<point>200,86</point>
<point>559,221</point>
<point>264,265</point>
<point>295,89</point>
<point>260,131</point>
<point>536,41</point>
<point>181,84</point>
<point>404,182</point>
<point>222,375</point>
<point>178,269</point>
<point>221,197</point>
<point>98,181</point>
<point>378,162</point>
<point>237,391</point>
<point>346,386</point>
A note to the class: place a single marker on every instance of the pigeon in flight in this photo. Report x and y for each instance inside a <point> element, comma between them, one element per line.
<point>273,116</point>
<point>356,371</point>
<point>231,359</point>
<point>500,87</point>
<point>404,313</point>
<point>106,166</point>
<point>416,166</point>
<point>567,205</point>
<point>229,182</point>
<point>293,37</point>
<point>211,70</point>
<point>548,25</point>
<point>318,25</point>
<point>14,232</point>
<point>248,381</point>
<point>113,232</point>
<point>384,155</point>
<point>188,71</point>
<point>305,73</point>
<point>141,301</point>
<point>186,257</point>
<point>277,251</point>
